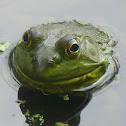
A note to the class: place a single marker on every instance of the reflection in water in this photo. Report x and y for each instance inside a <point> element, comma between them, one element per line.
<point>52,107</point>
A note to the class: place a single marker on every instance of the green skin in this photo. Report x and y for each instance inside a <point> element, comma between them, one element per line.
<point>44,60</point>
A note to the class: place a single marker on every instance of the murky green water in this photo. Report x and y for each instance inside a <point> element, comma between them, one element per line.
<point>107,108</point>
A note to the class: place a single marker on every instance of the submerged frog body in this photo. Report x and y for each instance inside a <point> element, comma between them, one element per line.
<point>60,57</point>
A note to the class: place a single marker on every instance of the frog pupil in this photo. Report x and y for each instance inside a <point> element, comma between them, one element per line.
<point>74,48</point>
<point>26,37</point>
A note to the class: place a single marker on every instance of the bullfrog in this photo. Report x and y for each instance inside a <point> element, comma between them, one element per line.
<point>61,57</point>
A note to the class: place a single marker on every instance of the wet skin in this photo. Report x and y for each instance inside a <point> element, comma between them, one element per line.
<point>60,57</point>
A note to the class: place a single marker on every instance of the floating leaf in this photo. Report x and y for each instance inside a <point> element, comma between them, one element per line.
<point>60,124</point>
<point>21,102</point>
<point>4,46</point>
<point>33,119</point>
<point>66,97</point>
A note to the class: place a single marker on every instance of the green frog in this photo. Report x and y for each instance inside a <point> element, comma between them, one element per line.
<point>61,57</point>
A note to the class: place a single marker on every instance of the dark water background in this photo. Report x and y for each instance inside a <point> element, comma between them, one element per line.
<point>105,109</point>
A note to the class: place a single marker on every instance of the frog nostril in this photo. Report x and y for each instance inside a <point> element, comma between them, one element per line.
<point>51,61</point>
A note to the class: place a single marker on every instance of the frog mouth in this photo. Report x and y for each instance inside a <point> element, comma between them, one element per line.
<point>99,76</point>
<point>93,75</point>
<point>61,86</point>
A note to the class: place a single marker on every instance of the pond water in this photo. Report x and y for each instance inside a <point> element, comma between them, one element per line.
<point>106,108</point>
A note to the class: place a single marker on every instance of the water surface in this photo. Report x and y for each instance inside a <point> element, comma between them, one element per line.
<point>107,108</point>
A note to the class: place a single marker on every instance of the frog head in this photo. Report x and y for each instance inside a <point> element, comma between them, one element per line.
<point>60,57</point>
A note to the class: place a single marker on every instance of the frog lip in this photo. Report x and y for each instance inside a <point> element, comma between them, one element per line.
<point>61,82</point>
<point>90,74</point>
<point>66,81</point>
<point>77,79</point>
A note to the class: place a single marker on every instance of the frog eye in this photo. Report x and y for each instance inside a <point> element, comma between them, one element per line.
<point>26,37</point>
<point>73,48</point>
